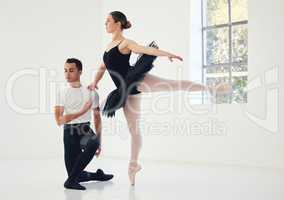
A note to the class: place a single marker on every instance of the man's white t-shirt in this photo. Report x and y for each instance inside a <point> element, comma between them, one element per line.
<point>73,99</point>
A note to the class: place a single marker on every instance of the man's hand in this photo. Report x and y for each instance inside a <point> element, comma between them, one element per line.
<point>98,152</point>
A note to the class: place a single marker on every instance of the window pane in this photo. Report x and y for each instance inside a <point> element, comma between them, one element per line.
<point>239,10</point>
<point>216,12</point>
<point>213,81</point>
<point>239,89</point>
<point>236,68</point>
<point>240,43</point>
<point>216,46</point>
<point>218,69</point>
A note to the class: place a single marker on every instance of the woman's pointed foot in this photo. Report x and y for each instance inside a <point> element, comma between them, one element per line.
<point>221,88</point>
<point>133,168</point>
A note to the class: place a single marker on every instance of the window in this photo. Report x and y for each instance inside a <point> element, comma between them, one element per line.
<point>225,46</point>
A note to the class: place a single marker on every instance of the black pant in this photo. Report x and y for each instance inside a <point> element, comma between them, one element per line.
<point>80,146</point>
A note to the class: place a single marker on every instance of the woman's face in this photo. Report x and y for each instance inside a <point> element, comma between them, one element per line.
<point>111,25</point>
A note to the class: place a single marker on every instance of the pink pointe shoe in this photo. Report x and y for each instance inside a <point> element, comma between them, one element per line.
<point>133,168</point>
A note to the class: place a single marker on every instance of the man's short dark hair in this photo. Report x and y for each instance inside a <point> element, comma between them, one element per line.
<point>77,62</point>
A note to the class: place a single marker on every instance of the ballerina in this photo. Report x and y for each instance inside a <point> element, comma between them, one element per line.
<point>131,81</point>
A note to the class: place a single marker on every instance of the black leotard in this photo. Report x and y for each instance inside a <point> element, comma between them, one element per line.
<point>118,66</point>
<point>124,76</point>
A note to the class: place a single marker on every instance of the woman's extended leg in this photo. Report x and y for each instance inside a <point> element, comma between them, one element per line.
<point>132,114</point>
<point>152,83</point>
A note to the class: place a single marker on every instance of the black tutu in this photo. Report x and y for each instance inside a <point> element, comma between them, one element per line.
<point>117,98</point>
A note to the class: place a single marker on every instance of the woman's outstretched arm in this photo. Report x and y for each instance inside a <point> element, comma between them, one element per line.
<point>136,48</point>
<point>98,77</point>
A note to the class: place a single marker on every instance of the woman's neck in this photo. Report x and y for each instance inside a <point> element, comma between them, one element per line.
<point>117,36</point>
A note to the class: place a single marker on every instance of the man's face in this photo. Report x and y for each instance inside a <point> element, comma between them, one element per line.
<point>71,72</point>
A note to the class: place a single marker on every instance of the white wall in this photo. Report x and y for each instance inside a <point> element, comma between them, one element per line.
<point>40,35</point>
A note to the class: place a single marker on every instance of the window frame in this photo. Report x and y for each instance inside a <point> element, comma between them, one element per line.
<point>230,25</point>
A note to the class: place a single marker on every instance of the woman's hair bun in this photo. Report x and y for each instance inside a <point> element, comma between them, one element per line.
<point>120,17</point>
<point>127,25</point>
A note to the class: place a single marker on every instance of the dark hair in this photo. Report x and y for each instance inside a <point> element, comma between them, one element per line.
<point>120,17</point>
<point>77,62</point>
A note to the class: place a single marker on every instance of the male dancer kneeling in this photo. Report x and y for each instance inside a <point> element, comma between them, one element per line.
<point>73,109</point>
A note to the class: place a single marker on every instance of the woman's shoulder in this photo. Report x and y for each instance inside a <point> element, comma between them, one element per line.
<point>129,41</point>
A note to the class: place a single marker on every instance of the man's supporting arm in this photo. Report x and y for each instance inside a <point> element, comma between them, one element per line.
<point>63,119</point>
